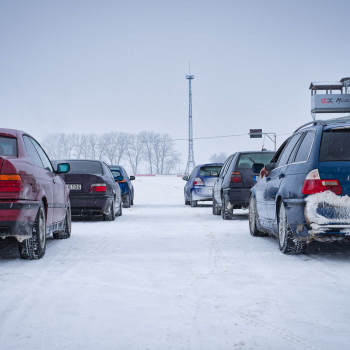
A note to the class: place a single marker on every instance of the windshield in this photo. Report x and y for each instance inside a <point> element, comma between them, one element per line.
<point>246,160</point>
<point>8,146</point>
<point>116,172</point>
<point>210,170</point>
<point>335,145</point>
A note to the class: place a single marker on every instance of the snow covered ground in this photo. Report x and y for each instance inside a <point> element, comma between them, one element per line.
<point>167,276</point>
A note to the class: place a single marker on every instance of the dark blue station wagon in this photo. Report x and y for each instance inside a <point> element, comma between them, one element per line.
<point>304,197</point>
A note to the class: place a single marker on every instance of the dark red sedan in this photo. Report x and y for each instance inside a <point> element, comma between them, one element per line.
<point>34,200</point>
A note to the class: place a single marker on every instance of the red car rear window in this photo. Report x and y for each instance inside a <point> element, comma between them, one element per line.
<point>8,146</point>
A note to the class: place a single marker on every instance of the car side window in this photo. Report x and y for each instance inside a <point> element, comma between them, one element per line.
<point>305,147</point>
<point>193,173</point>
<point>44,158</point>
<point>288,150</point>
<point>226,166</point>
<point>107,171</point>
<point>32,152</point>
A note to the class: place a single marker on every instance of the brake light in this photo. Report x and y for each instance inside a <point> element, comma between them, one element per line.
<point>314,184</point>
<point>198,182</point>
<point>98,188</point>
<point>10,183</point>
<point>236,177</point>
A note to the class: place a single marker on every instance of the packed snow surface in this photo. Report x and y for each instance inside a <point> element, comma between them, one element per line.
<point>168,276</point>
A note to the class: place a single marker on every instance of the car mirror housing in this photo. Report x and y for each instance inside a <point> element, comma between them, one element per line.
<point>132,177</point>
<point>185,178</point>
<point>256,167</point>
<point>63,168</point>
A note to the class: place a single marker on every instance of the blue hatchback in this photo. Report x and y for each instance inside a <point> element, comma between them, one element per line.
<point>124,181</point>
<point>304,197</point>
<point>199,186</point>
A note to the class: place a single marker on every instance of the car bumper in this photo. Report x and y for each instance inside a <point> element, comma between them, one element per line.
<point>17,219</point>
<point>203,193</point>
<point>307,226</point>
<point>237,197</point>
<point>90,205</point>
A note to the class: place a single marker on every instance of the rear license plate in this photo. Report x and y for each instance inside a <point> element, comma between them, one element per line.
<point>256,177</point>
<point>74,187</point>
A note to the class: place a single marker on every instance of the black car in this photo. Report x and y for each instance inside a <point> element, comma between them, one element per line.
<point>232,187</point>
<point>93,190</point>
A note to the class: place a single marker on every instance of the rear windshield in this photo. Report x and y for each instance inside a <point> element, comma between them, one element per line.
<point>210,170</point>
<point>85,167</point>
<point>8,146</point>
<point>116,172</point>
<point>335,145</point>
<point>246,160</point>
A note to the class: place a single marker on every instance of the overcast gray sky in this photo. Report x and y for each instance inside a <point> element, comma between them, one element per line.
<point>82,66</point>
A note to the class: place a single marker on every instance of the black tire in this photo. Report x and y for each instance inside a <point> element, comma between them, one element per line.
<point>132,201</point>
<point>187,202</point>
<point>120,210</point>
<point>227,214</point>
<point>127,201</point>
<point>253,219</point>
<point>216,209</point>
<point>67,225</point>
<point>34,247</point>
<point>111,215</point>
<point>286,240</point>
<point>193,203</point>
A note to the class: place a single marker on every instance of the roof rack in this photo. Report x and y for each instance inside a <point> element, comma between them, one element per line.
<point>326,122</point>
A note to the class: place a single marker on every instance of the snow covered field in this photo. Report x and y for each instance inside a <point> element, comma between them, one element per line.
<point>167,276</point>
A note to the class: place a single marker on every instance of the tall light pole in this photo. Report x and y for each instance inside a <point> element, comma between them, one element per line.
<point>190,161</point>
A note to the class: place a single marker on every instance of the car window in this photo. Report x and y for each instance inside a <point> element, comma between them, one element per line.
<point>8,146</point>
<point>32,152</point>
<point>335,145</point>
<point>246,160</point>
<point>288,150</point>
<point>85,167</point>
<point>107,171</point>
<point>116,172</point>
<point>43,156</point>
<point>210,170</point>
<point>305,147</point>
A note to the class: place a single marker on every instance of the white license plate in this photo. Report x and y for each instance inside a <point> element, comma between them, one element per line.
<point>74,187</point>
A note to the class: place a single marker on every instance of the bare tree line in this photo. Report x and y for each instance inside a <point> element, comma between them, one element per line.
<point>145,150</point>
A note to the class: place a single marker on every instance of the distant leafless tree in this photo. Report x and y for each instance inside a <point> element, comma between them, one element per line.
<point>149,138</point>
<point>135,151</point>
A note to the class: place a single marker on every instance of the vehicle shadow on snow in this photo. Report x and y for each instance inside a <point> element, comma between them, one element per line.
<point>9,248</point>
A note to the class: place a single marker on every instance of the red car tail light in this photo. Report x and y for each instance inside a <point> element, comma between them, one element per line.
<point>10,183</point>
<point>313,184</point>
<point>236,177</point>
<point>198,182</point>
<point>98,188</point>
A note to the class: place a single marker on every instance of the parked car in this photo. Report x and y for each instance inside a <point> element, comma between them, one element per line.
<point>232,187</point>
<point>304,197</point>
<point>200,182</point>
<point>34,200</point>
<point>124,181</point>
<point>93,190</point>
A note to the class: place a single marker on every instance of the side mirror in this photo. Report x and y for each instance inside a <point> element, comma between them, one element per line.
<point>256,167</point>
<point>63,168</point>
<point>132,177</point>
<point>118,178</point>
<point>185,178</point>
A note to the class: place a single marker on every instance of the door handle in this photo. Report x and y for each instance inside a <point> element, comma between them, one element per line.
<point>281,176</point>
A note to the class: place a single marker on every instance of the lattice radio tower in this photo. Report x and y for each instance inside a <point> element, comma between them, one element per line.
<point>190,161</point>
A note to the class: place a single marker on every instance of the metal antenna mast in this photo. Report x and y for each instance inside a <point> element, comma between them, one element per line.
<point>190,162</point>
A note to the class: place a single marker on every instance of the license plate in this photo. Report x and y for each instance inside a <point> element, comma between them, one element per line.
<point>74,187</point>
<point>256,177</point>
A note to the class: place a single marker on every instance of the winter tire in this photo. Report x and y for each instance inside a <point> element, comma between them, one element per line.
<point>287,242</point>
<point>187,202</point>
<point>126,201</point>
<point>253,219</point>
<point>120,210</point>
<point>67,226</point>
<point>193,203</point>
<point>227,214</point>
<point>216,209</point>
<point>111,215</point>
<point>34,247</point>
